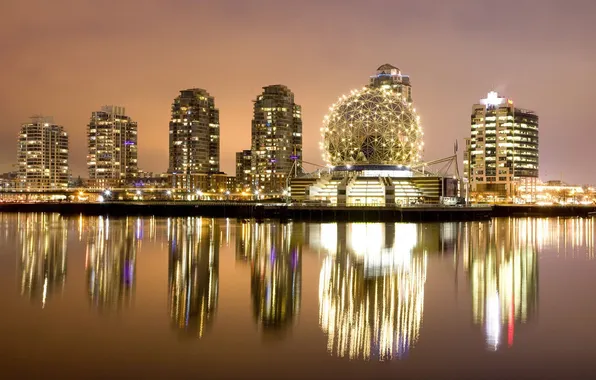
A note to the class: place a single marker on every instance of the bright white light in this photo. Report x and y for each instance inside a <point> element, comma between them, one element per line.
<point>107,193</point>
<point>100,198</point>
<point>493,99</point>
<point>493,321</point>
<point>138,192</point>
<point>169,192</point>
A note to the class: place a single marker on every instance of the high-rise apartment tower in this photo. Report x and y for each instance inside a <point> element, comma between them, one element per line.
<point>194,139</point>
<point>42,155</point>
<point>276,139</point>
<point>112,160</point>
<point>502,152</point>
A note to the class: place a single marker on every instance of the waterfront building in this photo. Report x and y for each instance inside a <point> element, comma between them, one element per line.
<point>244,169</point>
<point>112,158</point>
<point>276,139</point>
<point>502,152</point>
<point>8,180</point>
<point>232,185</point>
<point>389,76</point>
<point>42,155</point>
<point>372,144</point>
<point>194,140</point>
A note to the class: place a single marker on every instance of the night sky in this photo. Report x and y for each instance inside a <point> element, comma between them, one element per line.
<point>66,58</point>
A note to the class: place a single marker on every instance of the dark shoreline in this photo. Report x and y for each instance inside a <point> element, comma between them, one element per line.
<point>299,213</point>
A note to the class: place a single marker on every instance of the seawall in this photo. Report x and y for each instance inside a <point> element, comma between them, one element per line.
<point>258,211</point>
<point>315,213</point>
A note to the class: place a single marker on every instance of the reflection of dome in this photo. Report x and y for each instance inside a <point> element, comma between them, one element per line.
<point>371,295</point>
<point>375,125</point>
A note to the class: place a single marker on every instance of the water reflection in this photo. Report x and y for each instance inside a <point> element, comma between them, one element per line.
<point>111,262</point>
<point>274,251</point>
<point>371,288</point>
<point>193,273</point>
<point>43,253</point>
<point>501,261</point>
<point>571,237</point>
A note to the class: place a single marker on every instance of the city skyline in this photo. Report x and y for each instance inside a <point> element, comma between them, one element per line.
<point>319,65</point>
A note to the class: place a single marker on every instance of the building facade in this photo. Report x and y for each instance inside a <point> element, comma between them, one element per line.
<point>243,169</point>
<point>42,155</point>
<point>194,139</point>
<point>276,139</point>
<point>502,153</point>
<point>112,160</point>
<point>390,76</point>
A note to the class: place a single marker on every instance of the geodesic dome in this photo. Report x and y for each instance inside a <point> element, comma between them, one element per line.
<point>374,125</point>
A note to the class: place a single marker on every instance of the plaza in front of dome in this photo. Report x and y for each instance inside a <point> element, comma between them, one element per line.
<point>372,143</point>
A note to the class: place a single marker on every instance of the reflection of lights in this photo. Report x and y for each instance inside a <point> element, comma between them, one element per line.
<point>372,312</point>
<point>43,242</point>
<point>193,273</point>
<point>502,265</point>
<point>569,237</point>
<point>493,321</point>
<point>274,253</point>
<point>324,236</point>
<point>375,251</point>
<point>111,259</point>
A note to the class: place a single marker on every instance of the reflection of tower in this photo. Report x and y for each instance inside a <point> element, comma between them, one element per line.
<point>42,239</point>
<point>371,292</point>
<point>193,273</point>
<point>111,262</point>
<point>502,266</point>
<point>276,277</point>
<point>247,238</point>
<point>274,251</point>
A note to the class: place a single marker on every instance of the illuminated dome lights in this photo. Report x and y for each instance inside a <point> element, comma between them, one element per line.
<point>374,125</point>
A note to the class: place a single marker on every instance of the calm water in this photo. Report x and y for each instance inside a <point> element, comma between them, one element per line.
<point>215,298</point>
